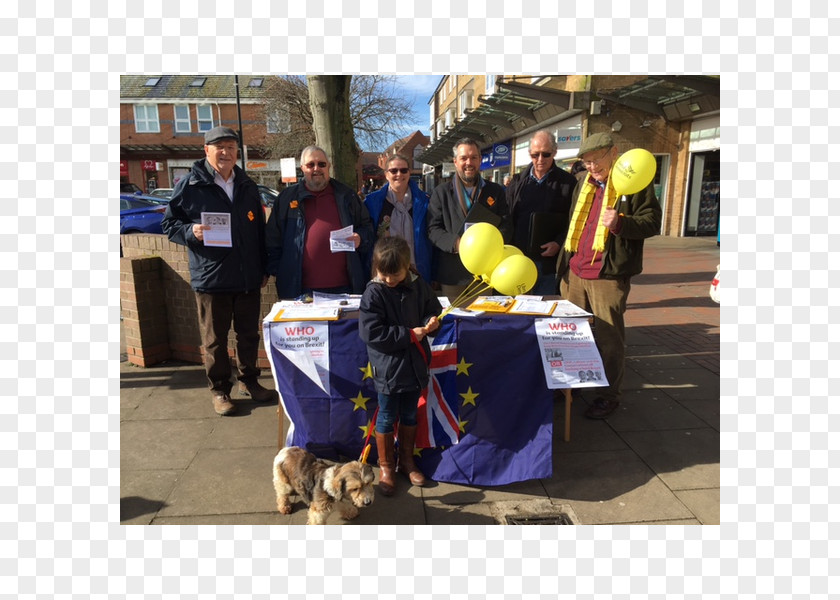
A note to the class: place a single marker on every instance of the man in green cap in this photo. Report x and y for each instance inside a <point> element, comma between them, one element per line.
<point>603,250</point>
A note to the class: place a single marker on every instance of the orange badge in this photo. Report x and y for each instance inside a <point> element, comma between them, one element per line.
<point>250,215</point>
<point>293,204</point>
<point>490,201</point>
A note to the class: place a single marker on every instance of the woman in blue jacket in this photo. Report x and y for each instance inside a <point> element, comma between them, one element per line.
<point>399,209</point>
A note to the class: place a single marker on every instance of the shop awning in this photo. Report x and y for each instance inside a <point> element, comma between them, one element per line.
<point>500,116</point>
<point>672,97</point>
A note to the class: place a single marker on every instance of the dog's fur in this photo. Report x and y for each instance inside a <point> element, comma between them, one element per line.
<point>345,487</point>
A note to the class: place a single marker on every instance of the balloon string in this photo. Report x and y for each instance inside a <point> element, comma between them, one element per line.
<point>470,293</point>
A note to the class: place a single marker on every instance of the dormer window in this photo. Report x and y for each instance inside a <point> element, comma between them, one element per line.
<point>152,81</point>
<point>198,82</point>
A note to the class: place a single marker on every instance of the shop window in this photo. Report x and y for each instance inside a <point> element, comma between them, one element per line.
<point>146,118</point>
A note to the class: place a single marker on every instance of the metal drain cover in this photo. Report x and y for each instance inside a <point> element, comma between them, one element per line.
<point>561,519</point>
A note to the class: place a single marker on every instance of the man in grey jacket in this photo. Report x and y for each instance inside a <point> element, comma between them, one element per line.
<point>467,194</point>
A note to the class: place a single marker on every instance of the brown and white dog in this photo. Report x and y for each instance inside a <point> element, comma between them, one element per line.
<point>345,487</point>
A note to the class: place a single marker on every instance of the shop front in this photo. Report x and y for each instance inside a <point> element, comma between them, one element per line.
<point>568,134</point>
<point>702,214</point>
<point>495,162</point>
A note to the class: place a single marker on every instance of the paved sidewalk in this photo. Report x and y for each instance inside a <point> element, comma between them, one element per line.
<point>655,460</point>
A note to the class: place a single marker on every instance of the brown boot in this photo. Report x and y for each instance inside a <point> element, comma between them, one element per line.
<point>407,466</point>
<point>385,448</point>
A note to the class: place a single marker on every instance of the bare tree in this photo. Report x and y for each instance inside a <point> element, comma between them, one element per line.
<point>379,112</point>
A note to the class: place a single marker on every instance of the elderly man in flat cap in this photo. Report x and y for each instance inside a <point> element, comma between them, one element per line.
<point>225,274</point>
<point>603,250</point>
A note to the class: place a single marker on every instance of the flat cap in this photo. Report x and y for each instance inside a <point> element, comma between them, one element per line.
<point>220,133</point>
<point>596,141</point>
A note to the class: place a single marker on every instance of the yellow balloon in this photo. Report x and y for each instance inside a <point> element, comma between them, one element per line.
<point>633,171</point>
<point>516,274</point>
<point>481,248</point>
<point>507,250</point>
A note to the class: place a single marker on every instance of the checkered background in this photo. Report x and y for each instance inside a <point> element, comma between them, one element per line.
<point>59,97</point>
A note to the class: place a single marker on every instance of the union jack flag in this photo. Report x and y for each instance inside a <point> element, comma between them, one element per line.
<point>437,410</point>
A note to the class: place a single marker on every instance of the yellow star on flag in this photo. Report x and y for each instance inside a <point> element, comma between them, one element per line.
<point>367,372</point>
<point>463,367</point>
<point>366,428</point>
<point>469,397</point>
<point>360,402</point>
<point>461,425</point>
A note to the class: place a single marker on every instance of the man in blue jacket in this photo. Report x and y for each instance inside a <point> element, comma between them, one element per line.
<point>226,277</point>
<point>298,233</point>
<point>399,209</point>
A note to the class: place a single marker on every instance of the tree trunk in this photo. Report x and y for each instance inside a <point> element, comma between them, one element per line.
<point>329,100</point>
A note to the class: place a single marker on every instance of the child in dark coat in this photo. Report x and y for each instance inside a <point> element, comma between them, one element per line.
<point>394,307</point>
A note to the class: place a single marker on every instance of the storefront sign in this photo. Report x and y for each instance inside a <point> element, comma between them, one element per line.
<point>499,156</point>
<point>149,165</point>
<point>123,168</point>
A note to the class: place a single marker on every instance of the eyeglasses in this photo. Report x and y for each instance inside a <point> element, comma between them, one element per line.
<point>536,155</point>
<point>592,163</point>
<point>394,171</point>
<point>311,165</point>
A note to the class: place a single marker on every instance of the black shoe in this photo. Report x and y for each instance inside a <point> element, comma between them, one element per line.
<point>257,392</point>
<point>601,409</point>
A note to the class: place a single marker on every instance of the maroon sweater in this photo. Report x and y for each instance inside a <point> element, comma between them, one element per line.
<point>322,268</point>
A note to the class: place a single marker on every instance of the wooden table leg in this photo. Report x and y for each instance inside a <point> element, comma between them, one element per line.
<point>568,434</point>
<point>280,438</point>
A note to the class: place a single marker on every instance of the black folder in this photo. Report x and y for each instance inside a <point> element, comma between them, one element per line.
<point>544,228</point>
<point>481,214</point>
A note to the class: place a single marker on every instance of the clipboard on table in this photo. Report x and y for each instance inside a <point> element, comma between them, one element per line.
<point>543,228</point>
<point>481,214</point>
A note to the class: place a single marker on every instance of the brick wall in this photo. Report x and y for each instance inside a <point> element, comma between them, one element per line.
<point>158,305</point>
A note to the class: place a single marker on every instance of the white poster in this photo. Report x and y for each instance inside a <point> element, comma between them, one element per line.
<point>570,357</point>
<point>306,344</point>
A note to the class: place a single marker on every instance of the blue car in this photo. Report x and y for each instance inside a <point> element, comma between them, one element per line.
<point>139,215</point>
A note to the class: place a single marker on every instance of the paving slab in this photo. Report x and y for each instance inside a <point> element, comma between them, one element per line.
<point>614,487</point>
<point>683,459</point>
<point>440,513</point>
<point>225,481</point>
<point>650,409</point>
<point>704,504</point>
<point>161,445</point>
<point>143,494</point>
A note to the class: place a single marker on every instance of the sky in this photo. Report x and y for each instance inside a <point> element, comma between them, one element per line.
<point>420,88</point>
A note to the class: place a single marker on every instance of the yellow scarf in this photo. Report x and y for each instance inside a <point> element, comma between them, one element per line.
<point>582,208</point>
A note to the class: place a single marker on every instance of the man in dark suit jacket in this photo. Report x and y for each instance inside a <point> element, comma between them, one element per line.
<point>449,206</point>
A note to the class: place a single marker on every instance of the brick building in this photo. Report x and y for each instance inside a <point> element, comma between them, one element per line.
<point>411,147</point>
<point>163,119</point>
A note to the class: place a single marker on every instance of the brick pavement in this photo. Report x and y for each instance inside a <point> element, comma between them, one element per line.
<point>670,303</point>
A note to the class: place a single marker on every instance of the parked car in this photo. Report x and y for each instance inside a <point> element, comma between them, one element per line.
<point>130,188</point>
<point>140,215</point>
<point>268,195</point>
<point>162,193</point>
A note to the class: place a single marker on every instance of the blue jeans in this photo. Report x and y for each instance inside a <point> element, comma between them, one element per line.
<point>400,406</point>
